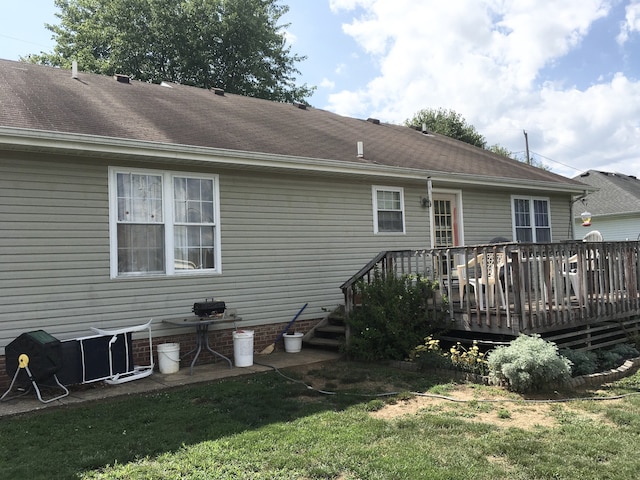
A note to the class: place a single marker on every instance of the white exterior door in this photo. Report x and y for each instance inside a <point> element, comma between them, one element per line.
<point>446,224</point>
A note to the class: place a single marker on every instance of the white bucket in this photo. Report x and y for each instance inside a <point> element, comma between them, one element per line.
<point>243,348</point>
<point>293,342</point>
<point>169,357</point>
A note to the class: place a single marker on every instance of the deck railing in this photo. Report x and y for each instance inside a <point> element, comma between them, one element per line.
<point>521,288</point>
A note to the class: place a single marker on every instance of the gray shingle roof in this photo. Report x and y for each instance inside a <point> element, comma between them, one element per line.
<point>49,99</point>
<point>617,194</point>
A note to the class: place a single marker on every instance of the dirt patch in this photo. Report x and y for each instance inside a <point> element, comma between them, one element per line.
<point>465,403</point>
<point>469,402</point>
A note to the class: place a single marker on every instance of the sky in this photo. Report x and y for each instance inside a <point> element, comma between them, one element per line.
<point>566,72</point>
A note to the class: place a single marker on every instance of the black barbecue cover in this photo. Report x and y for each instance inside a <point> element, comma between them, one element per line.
<point>204,309</point>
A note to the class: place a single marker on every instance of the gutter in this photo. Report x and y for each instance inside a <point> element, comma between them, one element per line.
<point>27,140</point>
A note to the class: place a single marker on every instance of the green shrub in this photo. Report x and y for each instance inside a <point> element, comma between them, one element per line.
<point>528,363</point>
<point>393,317</point>
<point>625,350</point>
<point>584,363</point>
<point>608,359</point>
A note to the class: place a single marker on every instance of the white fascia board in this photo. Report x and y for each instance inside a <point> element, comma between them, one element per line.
<point>96,146</point>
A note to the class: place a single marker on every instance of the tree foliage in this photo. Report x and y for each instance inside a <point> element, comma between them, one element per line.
<point>500,150</point>
<point>236,45</point>
<point>452,124</point>
<point>449,123</point>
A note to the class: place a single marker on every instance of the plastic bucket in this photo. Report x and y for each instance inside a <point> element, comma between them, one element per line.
<point>293,342</point>
<point>169,357</point>
<point>243,348</point>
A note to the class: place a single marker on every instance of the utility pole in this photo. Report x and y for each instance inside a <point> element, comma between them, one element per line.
<point>526,145</point>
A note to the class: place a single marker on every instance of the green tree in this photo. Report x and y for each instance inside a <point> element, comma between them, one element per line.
<point>500,150</point>
<point>452,124</point>
<point>236,45</point>
<point>449,123</point>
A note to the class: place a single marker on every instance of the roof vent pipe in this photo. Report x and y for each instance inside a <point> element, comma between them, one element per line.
<point>424,128</point>
<point>74,69</point>
<point>360,150</point>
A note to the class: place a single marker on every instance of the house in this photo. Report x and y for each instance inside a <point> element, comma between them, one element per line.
<point>614,205</point>
<point>123,201</point>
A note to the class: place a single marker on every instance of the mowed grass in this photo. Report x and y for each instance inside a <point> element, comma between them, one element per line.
<point>268,426</point>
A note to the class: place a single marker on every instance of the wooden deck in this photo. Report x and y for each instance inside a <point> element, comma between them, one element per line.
<point>579,294</point>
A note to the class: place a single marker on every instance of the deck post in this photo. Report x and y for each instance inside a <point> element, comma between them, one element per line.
<point>517,286</point>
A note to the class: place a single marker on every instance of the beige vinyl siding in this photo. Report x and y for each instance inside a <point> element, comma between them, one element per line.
<point>286,240</point>
<point>487,214</point>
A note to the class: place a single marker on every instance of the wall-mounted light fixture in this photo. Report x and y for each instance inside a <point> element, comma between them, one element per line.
<point>425,202</point>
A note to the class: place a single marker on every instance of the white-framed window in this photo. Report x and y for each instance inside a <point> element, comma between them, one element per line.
<point>163,223</point>
<point>531,219</point>
<point>388,209</point>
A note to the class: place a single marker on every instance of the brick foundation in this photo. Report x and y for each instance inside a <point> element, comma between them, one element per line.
<point>220,340</point>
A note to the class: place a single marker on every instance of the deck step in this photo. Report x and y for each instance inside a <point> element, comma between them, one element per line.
<point>330,334</point>
<point>332,343</point>
<point>340,329</point>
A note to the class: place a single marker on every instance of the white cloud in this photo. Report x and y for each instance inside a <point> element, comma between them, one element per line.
<point>484,60</point>
<point>326,83</point>
<point>340,68</point>
<point>631,23</point>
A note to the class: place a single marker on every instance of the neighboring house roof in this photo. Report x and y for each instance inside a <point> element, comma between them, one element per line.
<point>617,193</point>
<point>49,100</point>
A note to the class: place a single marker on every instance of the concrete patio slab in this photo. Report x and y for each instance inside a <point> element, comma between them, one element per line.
<point>13,405</point>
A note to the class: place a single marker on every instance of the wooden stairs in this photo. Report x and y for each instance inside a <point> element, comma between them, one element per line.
<point>330,333</point>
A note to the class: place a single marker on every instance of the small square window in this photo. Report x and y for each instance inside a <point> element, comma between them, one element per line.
<point>388,209</point>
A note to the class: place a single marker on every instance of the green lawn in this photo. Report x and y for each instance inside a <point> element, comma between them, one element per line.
<point>266,426</point>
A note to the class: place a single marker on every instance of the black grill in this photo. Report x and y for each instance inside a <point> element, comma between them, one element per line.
<point>207,308</point>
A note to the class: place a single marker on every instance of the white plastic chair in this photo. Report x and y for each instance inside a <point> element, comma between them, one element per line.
<point>593,236</point>
<point>490,265</point>
<point>571,265</point>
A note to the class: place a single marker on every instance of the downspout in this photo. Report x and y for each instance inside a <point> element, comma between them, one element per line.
<point>431,216</point>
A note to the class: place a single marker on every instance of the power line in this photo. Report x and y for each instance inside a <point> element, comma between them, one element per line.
<point>24,41</point>
<point>517,153</point>
<point>560,163</point>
